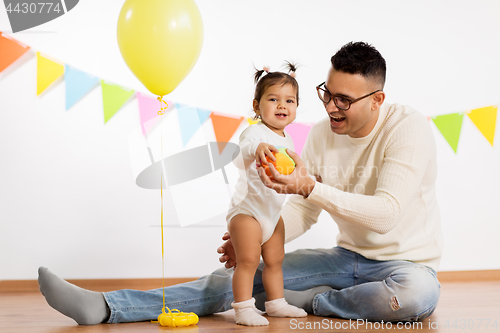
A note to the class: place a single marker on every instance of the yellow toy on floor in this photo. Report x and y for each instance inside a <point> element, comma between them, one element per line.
<point>177,319</point>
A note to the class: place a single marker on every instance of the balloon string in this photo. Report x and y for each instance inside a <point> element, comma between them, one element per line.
<point>162,110</point>
<point>161,218</point>
<point>162,250</point>
<point>161,193</point>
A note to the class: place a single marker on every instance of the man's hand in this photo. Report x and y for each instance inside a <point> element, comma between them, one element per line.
<point>227,250</point>
<point>298,182</point>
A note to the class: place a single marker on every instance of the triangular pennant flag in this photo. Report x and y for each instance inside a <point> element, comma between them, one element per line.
<point>11,51</point>
<point>485,120</point>
<point>252,121</point>
<point>299,133</point>
<point>224,128</point>
<point>113,98</point>
<point>47,72</point>
<point>148,111</point>
<point>203,115</point>
<point>189,121</point>
<point>78,84</point>
<point>450,126</point>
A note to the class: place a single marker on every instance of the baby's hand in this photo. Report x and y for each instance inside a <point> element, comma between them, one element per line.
<point>262,150</point>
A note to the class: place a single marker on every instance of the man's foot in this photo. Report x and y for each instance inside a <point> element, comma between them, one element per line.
<point>303,299</point>
<point>84,306</point>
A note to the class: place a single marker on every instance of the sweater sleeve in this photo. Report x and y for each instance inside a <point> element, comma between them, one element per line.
<point>407,156</point>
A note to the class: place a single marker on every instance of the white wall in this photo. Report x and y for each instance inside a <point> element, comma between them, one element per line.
<point>68,198</point>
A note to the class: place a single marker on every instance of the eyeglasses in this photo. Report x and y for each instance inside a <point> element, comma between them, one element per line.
<point>340,102</point>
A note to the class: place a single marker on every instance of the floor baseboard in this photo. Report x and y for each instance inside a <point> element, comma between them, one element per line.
<point>469,276</point>
<point>101,285</point>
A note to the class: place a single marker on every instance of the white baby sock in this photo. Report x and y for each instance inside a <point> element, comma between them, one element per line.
<point>246,314</point>
<point>280,308</point>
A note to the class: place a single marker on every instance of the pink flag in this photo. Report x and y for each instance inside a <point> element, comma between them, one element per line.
<point>148,111</point>
<point>299,133</point>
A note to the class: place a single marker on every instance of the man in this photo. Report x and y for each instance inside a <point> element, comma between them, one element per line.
<point>375,170</point>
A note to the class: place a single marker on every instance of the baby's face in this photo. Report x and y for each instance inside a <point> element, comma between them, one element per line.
<point>277,107</point>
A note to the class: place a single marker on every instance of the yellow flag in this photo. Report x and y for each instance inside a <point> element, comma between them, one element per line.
<point>47,72</point>
<point>485,120</point>
<point>252,121</point>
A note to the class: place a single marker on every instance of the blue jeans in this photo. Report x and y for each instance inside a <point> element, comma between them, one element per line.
<point>362,289</point>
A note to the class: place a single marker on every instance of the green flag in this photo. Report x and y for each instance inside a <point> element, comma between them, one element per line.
<point>450,125</point>
<point>113,98</point>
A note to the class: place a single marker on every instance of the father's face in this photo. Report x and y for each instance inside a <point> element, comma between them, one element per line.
<point>362,116</point>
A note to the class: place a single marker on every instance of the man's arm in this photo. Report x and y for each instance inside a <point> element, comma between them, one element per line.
<point>299,215</point>
<point>406,159</point>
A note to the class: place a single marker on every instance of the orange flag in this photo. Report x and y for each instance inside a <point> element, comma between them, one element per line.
<point>224,128</point>
<point>11,51</point>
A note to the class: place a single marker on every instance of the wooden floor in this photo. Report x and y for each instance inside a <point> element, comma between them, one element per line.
<point>463,307</point>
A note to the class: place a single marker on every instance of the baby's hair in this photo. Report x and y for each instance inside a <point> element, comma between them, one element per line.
<point>273,78</point>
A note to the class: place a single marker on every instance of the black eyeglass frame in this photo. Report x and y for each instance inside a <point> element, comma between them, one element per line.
<point>318,88</point>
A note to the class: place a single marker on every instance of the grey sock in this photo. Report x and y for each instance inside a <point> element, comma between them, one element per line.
<point>304,298</point>
<point>84,306</point>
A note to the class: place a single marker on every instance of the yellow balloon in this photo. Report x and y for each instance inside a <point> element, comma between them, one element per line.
<point>160,41</point>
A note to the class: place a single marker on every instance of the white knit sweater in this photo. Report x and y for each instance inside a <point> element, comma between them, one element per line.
<point>379,189</point>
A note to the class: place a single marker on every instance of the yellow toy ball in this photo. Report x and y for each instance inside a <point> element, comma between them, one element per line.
<point>177,319</point>
<point>283,164</point>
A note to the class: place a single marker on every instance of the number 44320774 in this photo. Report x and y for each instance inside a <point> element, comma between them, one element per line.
<point>33,7</point>
<point>471,324</point>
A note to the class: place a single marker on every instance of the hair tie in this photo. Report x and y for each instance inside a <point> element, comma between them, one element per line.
<point>291,68</point>
<point>266,69</point>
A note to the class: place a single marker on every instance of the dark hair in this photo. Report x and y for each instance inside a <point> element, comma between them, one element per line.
<point>273,78</point>
<point>360,58</point>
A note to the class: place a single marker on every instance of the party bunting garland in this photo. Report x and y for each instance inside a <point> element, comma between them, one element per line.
<point>485,120</point>
<point>113,98</point>
<point>189,122</point>
<point>450,125</point>
<point>11,51</point>
<point>224,128</point>
<point>47,72</point>
<point>79,83</point>
<point>148,111</point>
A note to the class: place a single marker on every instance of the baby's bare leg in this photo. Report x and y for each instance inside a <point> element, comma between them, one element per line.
<point>273,253</point>
<point>246,235</point>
